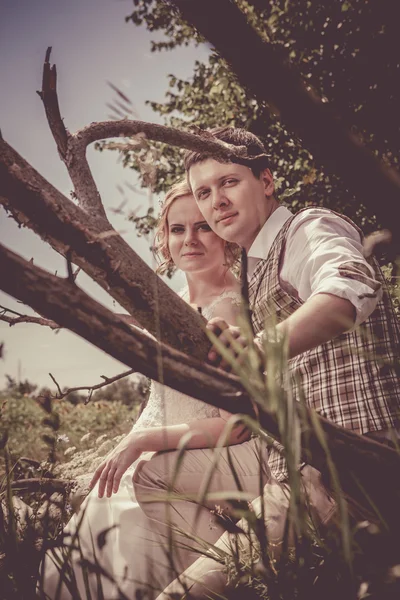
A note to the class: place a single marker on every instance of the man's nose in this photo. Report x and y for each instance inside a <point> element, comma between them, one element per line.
<point>219,199</point>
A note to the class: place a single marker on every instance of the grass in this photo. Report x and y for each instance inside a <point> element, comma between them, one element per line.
<point>348,560</point>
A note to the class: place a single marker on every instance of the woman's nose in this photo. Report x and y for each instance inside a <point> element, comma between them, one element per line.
<point>190,238</point>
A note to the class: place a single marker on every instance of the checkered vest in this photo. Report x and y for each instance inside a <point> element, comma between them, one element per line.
<point>353,380</point>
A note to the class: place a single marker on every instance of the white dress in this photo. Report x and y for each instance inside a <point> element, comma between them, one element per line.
<point>114,534</point>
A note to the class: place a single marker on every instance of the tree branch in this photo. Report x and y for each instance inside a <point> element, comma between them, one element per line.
<point>314,122</point>
<point>49,97</point>
<point>100,252</point>
<point>42,484</point>
<point>78,168</point>
<point>201,141</point>
<point>90,388</point>
<point>20,318</point>
<point>368,471</point>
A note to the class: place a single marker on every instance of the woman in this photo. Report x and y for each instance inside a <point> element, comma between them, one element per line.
<point>112,530</point>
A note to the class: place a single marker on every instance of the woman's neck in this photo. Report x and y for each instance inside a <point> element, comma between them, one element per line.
<point>204,287</point>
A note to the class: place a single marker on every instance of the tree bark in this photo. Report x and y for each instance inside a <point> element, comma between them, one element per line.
<point>368,472</point>
<point>99,250</point>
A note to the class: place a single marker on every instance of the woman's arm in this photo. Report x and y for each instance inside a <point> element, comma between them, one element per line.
<point>202,433</point>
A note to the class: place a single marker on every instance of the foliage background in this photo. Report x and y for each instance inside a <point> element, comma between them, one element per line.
<point>346,53</point>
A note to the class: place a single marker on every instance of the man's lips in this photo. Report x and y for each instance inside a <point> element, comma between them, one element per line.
<point>227,217</point>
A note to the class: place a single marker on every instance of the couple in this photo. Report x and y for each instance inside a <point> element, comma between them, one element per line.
<point>308,271</point>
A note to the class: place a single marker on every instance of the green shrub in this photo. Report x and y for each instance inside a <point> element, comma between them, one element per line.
<point>22,417</point>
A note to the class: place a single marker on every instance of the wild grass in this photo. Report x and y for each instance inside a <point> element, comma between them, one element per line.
<point>347,559</point>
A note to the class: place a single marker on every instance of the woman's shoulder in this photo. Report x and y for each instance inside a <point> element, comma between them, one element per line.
<point>226,305</point>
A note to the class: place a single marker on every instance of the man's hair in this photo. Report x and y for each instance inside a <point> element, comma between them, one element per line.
<point>235,137</point>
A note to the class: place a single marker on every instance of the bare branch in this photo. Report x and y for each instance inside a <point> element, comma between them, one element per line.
<point>71,275</point>
<point>74,309</point>
<point>20,318</point>
<point>42,484</point>
<point>78,168</point>
<point>111,262</point>
<point>72,148</point>
<point>201,141</point>
<point>56,383</point>
<point>90,388</point>
<point>49,97</point>
<point>376,466</point>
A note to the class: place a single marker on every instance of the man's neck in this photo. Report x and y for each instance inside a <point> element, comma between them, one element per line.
<point>272,206</point>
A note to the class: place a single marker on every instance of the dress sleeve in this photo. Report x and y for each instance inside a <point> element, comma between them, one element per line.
<point>324,254</point>
<point>228,302</point>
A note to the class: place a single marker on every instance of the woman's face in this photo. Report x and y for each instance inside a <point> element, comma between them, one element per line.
<point>192,244</point>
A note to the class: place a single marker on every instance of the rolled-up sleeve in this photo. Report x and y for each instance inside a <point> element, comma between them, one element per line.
<point>324,255</point>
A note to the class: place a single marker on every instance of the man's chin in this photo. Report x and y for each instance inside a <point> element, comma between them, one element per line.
<point>229,233</point>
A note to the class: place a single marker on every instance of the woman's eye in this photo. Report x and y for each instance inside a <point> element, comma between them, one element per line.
<point>176,229</point>
<point>204,227</point>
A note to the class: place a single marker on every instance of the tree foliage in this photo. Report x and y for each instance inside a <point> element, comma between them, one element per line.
<point>346,52</point>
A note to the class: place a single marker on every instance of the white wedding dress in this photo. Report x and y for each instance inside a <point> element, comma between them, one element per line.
<point>113,533</point>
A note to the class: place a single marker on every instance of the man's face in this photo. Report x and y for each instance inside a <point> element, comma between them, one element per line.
<point>233,201</point>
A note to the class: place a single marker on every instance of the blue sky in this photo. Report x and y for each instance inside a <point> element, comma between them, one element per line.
<point>91,44</point>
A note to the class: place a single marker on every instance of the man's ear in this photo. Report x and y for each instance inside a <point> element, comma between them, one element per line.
<point>268,182</point>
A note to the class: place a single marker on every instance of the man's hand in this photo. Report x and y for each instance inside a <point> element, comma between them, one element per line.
<point>110,471</point>
<point>232,338</point>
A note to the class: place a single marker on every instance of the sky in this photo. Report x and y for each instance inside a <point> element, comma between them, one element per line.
<point>91,45</point>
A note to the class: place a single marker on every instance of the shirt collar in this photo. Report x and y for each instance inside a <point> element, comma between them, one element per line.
<point>266,236</point>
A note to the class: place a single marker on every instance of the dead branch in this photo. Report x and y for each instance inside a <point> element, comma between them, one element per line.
<point>20,318</point>
<point>72,147</point>
<point>100,252</point>
<point>49,97</point>
<point>78,168</point>
<point>78,312</point>
<point>368,471</point>
<point>90,388</point>
<point>302,112</point>
<point>42,484</point>
<point>201,141</point>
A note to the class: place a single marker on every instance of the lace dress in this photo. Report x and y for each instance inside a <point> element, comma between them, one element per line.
<point>114,533</point>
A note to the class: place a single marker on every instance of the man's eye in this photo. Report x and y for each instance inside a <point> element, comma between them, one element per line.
<point>202,194</point>
<point>230,181</point>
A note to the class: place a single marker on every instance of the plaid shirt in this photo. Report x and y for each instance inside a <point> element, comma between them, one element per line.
<point>353,380</point>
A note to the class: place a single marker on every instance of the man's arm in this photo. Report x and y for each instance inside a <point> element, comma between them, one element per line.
<point>320,319</point>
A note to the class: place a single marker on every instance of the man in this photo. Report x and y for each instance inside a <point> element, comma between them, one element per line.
<point>309,273</point>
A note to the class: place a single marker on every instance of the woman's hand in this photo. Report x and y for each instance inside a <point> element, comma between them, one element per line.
<point>110,471</point>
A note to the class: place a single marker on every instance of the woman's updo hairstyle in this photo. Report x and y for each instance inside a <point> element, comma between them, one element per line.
<point>160,246</point>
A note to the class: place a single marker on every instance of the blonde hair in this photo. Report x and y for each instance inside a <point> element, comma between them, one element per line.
<point>161,237</point>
